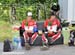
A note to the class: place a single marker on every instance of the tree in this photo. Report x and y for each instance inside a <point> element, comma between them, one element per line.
<point>20,7</point>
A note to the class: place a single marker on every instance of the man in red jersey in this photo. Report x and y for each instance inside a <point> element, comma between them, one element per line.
<point>30,33</point>
<point>52,29</point>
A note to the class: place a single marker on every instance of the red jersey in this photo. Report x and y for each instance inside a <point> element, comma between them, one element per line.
<point>28,23</point>
<point>54,22</point>
<point>52,25</point>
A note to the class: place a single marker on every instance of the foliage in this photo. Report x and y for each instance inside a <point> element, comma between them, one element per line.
<point>23,6</point>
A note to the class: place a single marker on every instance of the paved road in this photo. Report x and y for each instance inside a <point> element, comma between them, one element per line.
<point>53,50</point>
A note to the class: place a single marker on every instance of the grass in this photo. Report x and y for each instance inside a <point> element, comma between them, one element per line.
<point>5,30</point>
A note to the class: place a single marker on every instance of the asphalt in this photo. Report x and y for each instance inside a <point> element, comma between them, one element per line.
<point>35,50</point>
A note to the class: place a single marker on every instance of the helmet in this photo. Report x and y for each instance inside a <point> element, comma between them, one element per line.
<point>54,3</point>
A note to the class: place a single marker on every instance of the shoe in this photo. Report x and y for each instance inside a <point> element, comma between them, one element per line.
<point>27,46</point>
<point>44,47</point>
<point>71,43</point>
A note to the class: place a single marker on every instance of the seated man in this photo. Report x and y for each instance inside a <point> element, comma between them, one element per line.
<point>52,30</point>
<point>30,33</point>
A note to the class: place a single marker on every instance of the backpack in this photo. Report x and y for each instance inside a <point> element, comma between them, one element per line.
<point>6,46</point>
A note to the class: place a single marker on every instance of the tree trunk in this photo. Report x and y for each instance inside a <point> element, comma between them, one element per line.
<point>12,14</point>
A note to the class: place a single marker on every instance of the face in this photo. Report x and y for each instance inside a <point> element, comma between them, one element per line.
<point>29,18</point>
<point>52,17</point>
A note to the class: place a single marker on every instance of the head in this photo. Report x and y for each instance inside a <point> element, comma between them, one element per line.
<point>52,17</point>
<point>29,16</point>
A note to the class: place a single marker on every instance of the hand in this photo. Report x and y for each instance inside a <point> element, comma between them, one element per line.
<point>50,32</point>
<point>40,32</point>
<point>29,31</point>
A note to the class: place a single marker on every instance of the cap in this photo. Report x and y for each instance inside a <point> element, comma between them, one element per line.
<point>29,14</point>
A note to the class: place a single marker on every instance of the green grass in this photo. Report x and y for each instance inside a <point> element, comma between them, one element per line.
<point>5,30</point>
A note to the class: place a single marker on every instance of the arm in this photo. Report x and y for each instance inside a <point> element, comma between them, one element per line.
<point>23,24</point>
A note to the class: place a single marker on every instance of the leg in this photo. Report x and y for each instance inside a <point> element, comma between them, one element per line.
<point>26,37</point>
<point>44,36</point>
<point>52,37</point>
<point>55,37</point>
<point>44,39</point>
<point>21,31</point>
<point>45,42</point>
<point>49,37</point>
<point>22,41</point>
<point>33,38</point>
